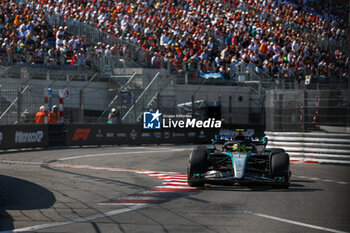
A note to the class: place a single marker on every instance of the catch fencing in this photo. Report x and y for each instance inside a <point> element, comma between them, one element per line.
<point>306,110</point>
<point>313,126</point>
<point>23,89</point>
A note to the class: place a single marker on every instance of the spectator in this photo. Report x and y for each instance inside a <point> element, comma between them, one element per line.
<point>60,33</point>
<point>17,21</point>
<point>52,56</point>
<point>73,42</point>
<point>113,117</point>
<point>66,34</point>
<point>78,58</point>
<point>262,33</point>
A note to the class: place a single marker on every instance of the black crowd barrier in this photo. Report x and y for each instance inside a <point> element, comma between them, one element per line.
<point>31,136</point>
<point>57,134</point>
<point>23,136</point>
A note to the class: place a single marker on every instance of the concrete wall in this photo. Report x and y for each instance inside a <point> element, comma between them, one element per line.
<point>316,147</point>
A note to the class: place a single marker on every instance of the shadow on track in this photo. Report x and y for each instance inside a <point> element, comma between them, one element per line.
<point>18,194</point>
<point>294,187</point>
<point>304,181</point>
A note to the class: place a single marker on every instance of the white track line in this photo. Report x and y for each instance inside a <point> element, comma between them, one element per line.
<point>175,187</point>
<point>126,204</point>
<point>78,220</point>
<point>319,179</point>
<point>294,222</point>
<point>20,162</point>
<point>341,182</point>
<point>135,197</point>
<point>117,153</point>
<point>184,182</point>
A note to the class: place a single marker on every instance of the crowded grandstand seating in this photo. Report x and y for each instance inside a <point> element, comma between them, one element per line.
<point>27,37</point>
<point>216,36</point>
<point>329,19</point>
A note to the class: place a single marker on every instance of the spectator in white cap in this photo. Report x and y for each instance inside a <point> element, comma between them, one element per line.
<point>60,32</point>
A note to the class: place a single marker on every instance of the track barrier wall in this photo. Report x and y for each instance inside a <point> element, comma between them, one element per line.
<point>132,135</point>
<point>57,135</point>
<point>23,136</point>
<point>315,147</point>
<point>31,136</point>
<point>95,134</point>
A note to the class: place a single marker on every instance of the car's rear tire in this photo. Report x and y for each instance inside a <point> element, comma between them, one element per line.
<point>197,164</point>
<point>280,170</point>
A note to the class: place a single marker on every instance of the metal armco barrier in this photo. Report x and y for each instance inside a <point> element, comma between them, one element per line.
<point>23,136</point>
<point>313,147</point>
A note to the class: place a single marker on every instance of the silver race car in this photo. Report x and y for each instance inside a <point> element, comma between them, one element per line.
<point>238,161</point>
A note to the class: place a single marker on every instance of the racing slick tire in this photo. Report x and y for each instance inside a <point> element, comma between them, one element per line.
<point>275,151</point>
<point>280,170</point>
<point>197,164</point>
<point>271,153</point>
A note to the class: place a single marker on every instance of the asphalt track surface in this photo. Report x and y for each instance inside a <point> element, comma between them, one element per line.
<point>143,189</point>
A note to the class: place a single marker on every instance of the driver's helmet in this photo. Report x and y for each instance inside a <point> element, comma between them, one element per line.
<point>239,148</point>
<point>235,146</point>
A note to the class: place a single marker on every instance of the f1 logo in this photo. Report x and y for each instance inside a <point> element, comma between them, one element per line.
<point>152,120</point>
<point>81,134</point>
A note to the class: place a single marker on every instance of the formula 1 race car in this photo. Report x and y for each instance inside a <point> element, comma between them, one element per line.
<point>238,161</point>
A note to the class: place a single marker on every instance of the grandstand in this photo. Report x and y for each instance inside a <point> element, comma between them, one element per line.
<point>141,55</point>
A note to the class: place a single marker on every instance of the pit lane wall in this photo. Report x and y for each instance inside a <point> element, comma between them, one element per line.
<point>313,147</point>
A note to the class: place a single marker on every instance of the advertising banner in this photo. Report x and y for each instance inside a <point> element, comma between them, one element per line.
<point>31,136</point>
<point>23,136</point>
<point>109,134</point>
<point>102,134</point>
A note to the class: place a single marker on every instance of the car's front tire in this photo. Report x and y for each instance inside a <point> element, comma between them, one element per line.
<point>197,164</point>
<point>280,170</point>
